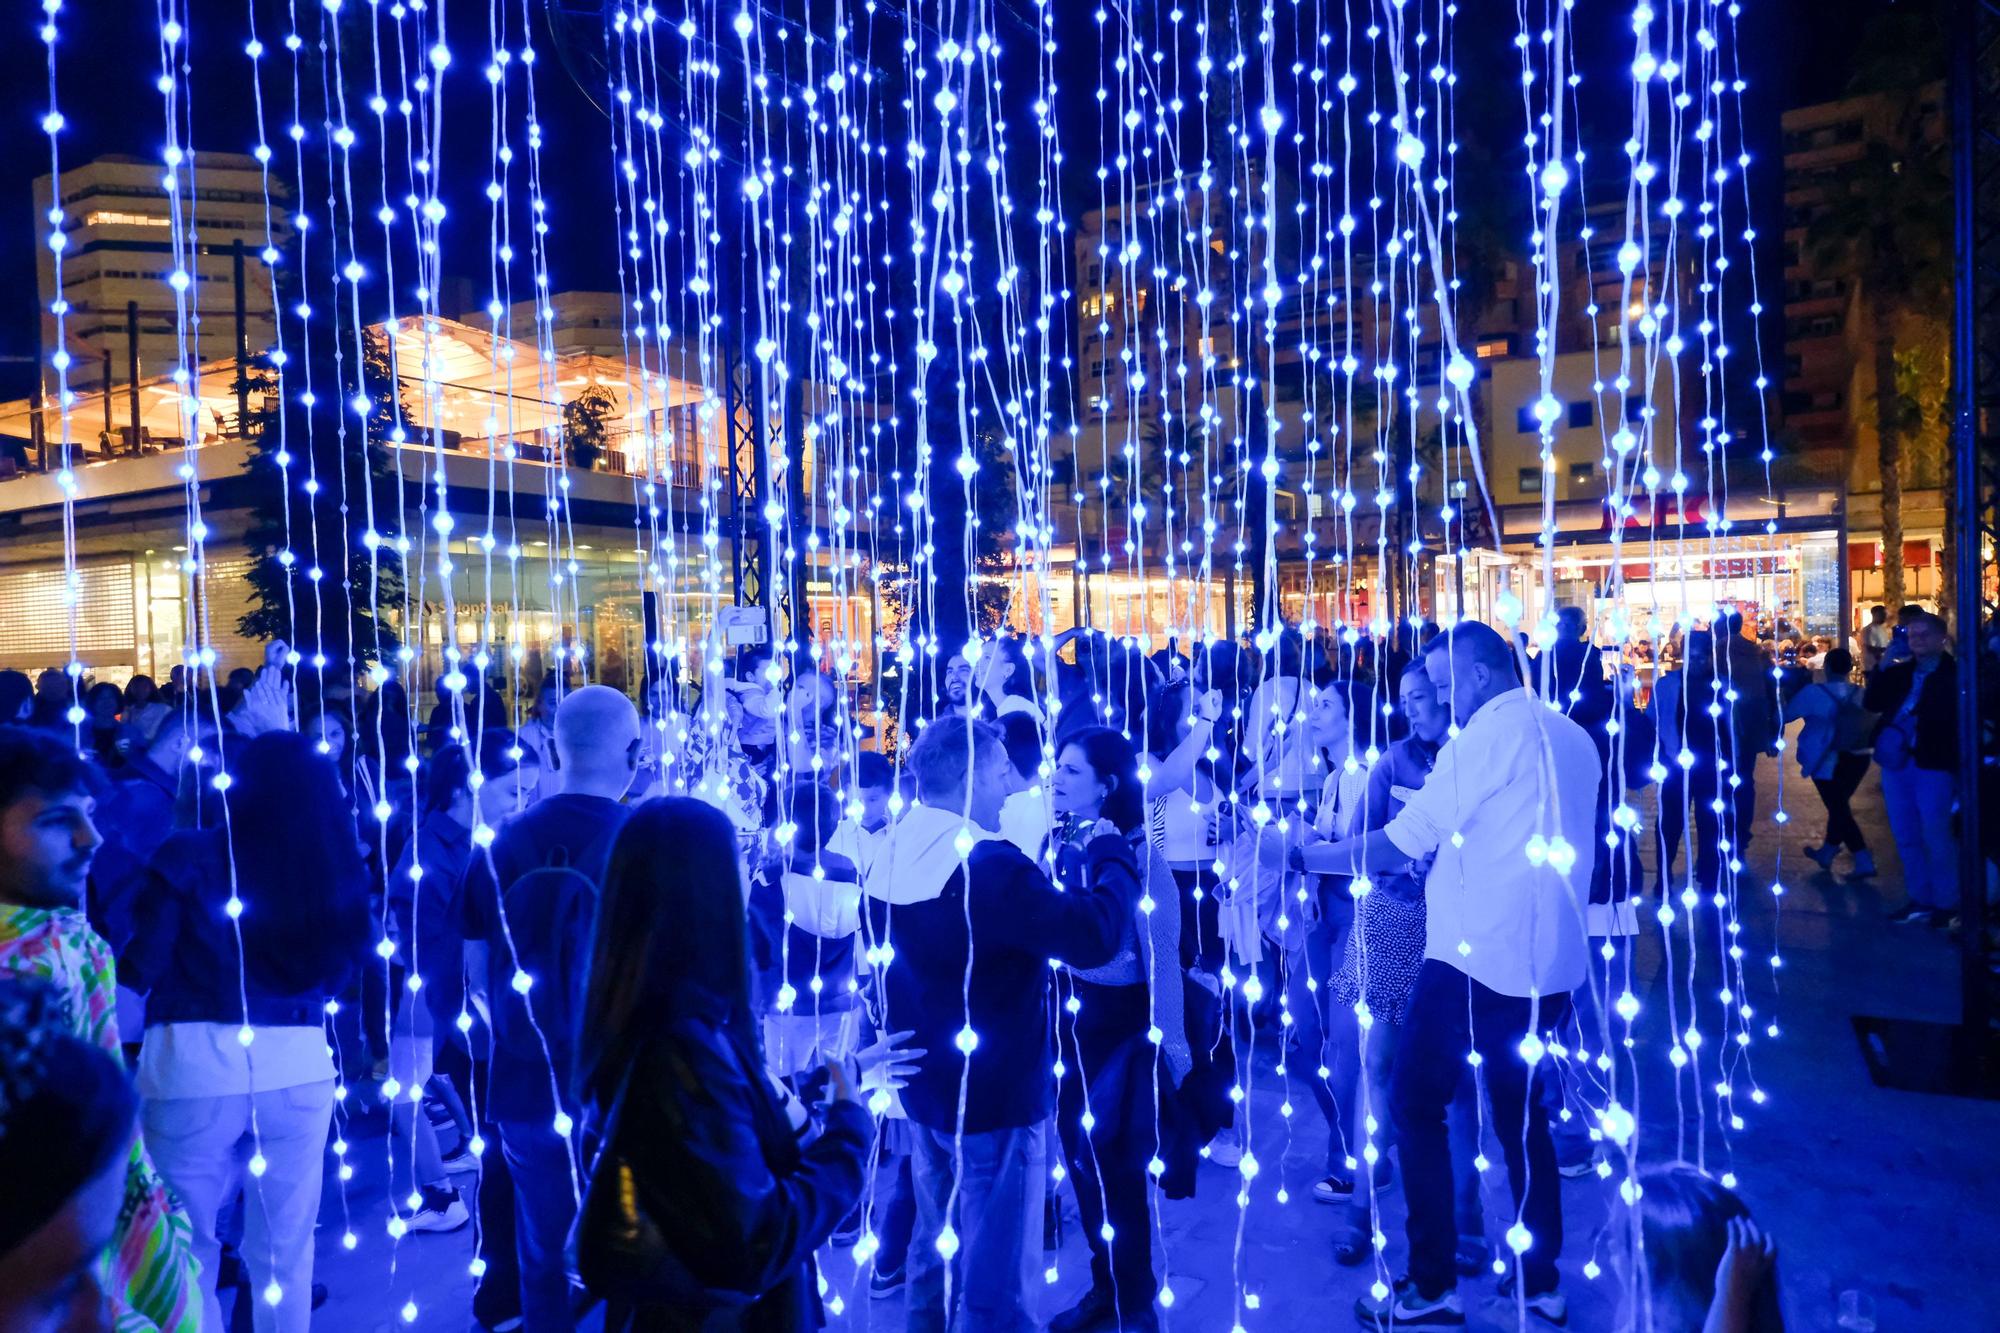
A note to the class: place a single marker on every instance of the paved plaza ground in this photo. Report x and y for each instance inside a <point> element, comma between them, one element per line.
<point>1893,1195</point>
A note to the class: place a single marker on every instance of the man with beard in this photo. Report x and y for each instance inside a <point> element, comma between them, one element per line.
<point>957,687</point>
<point>47,844</point>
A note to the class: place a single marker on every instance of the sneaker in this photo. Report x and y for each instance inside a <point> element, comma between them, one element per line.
<point>1225,1149</point>
<point>1550,1307</point>
<point>1406,1307</point>
<point>1864,864</point>
<point>885,1284</point>
<point>1333,1189</point>
<point>1823,856</point>
<point>460,1160</point>
<point>1912,915</point>
<point>443,1210</point>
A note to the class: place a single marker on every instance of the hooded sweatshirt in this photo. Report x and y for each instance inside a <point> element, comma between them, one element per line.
<point>943,893</point>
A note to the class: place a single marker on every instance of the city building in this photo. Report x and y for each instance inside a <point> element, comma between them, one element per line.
<point>1829,400</point>
<point>488,423</point>
<point>118,257</point>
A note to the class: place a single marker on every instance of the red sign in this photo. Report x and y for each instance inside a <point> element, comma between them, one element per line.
<point>1663,511</point>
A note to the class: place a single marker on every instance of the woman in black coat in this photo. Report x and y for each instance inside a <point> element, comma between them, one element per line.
<point>713,1186</point>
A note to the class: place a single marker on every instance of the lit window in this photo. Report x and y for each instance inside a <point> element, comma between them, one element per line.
<point>111,218</point>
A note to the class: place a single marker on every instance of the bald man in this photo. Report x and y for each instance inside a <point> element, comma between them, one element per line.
<point>1509,814</point>
<point>538,889</point>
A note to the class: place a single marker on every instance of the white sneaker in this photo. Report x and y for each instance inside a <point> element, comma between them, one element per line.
<point>1225,1149</point>
<point>443,1210</point>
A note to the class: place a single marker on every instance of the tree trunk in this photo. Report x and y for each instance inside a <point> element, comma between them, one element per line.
<point>1889,457</point>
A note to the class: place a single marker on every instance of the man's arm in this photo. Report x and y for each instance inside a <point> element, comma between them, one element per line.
<point>1371,853</point>
<point>1022,910</point>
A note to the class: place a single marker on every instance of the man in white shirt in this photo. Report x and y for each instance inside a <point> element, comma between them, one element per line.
<point>1509,813</point>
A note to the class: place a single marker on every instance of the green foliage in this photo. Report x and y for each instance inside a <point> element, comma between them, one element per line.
<point>293,444</point>
<point>586,425</point>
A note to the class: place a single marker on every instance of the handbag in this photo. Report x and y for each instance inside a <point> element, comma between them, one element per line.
<point>620,1250</point>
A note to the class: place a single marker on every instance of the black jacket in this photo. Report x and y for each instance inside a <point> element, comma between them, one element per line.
<point>1018,921</point>
<point>184,957</point>
<point>1936,740</point>
<point>742,1202</point>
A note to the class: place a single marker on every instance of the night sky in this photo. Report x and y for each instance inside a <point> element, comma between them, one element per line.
<point>1796,51</point>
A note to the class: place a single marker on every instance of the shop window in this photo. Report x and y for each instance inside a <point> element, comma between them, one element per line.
<point>1581,476</point>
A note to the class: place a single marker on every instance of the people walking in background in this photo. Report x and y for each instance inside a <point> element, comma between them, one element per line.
<point>1916,747</point>
<point>1875,638</point>
<point>695,1140</point>
<point>1834,746</point>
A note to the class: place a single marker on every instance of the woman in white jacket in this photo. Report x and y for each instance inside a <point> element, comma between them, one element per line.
<point>1833,751</point>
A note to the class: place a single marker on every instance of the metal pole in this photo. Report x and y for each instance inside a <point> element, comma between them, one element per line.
<point>242,338</point>
<point>132,368</point>
<point>1975,995</point>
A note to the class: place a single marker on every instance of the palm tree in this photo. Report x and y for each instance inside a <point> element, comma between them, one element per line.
<point>1885,220</point>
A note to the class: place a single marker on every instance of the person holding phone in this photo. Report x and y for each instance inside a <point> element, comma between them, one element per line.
<point>741,1181</point>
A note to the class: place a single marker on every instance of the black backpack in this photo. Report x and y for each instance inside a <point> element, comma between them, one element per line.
<point>549,912</point>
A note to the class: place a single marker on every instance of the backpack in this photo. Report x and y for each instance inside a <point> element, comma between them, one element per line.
<point>1854,727</point>
<point>550,911</point>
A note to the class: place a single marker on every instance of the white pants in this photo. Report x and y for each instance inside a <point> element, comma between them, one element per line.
<point>203,1146</point>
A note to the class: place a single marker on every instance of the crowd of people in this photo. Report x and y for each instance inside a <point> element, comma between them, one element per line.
<point>695,991</point>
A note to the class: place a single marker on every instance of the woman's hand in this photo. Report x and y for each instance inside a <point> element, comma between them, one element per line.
<point>1104,828</point>
<point>1747,1265</point>
<point>266,706</point>
<point>1208,708</point>
<point>886,1063</point>
<point>839,1087</point>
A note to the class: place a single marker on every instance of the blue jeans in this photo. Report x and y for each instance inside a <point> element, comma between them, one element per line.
<point>1920,801</point>
<point>1314,1027</point>
<point>997,1216</point>
<point>1451,1015</point>
<point>539,1160</point>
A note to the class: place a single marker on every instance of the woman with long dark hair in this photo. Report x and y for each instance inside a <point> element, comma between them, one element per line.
<point>244,933</point>
<point>706,1197</point>
<point>1709,1267</point>
<point>1124,1043</point>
